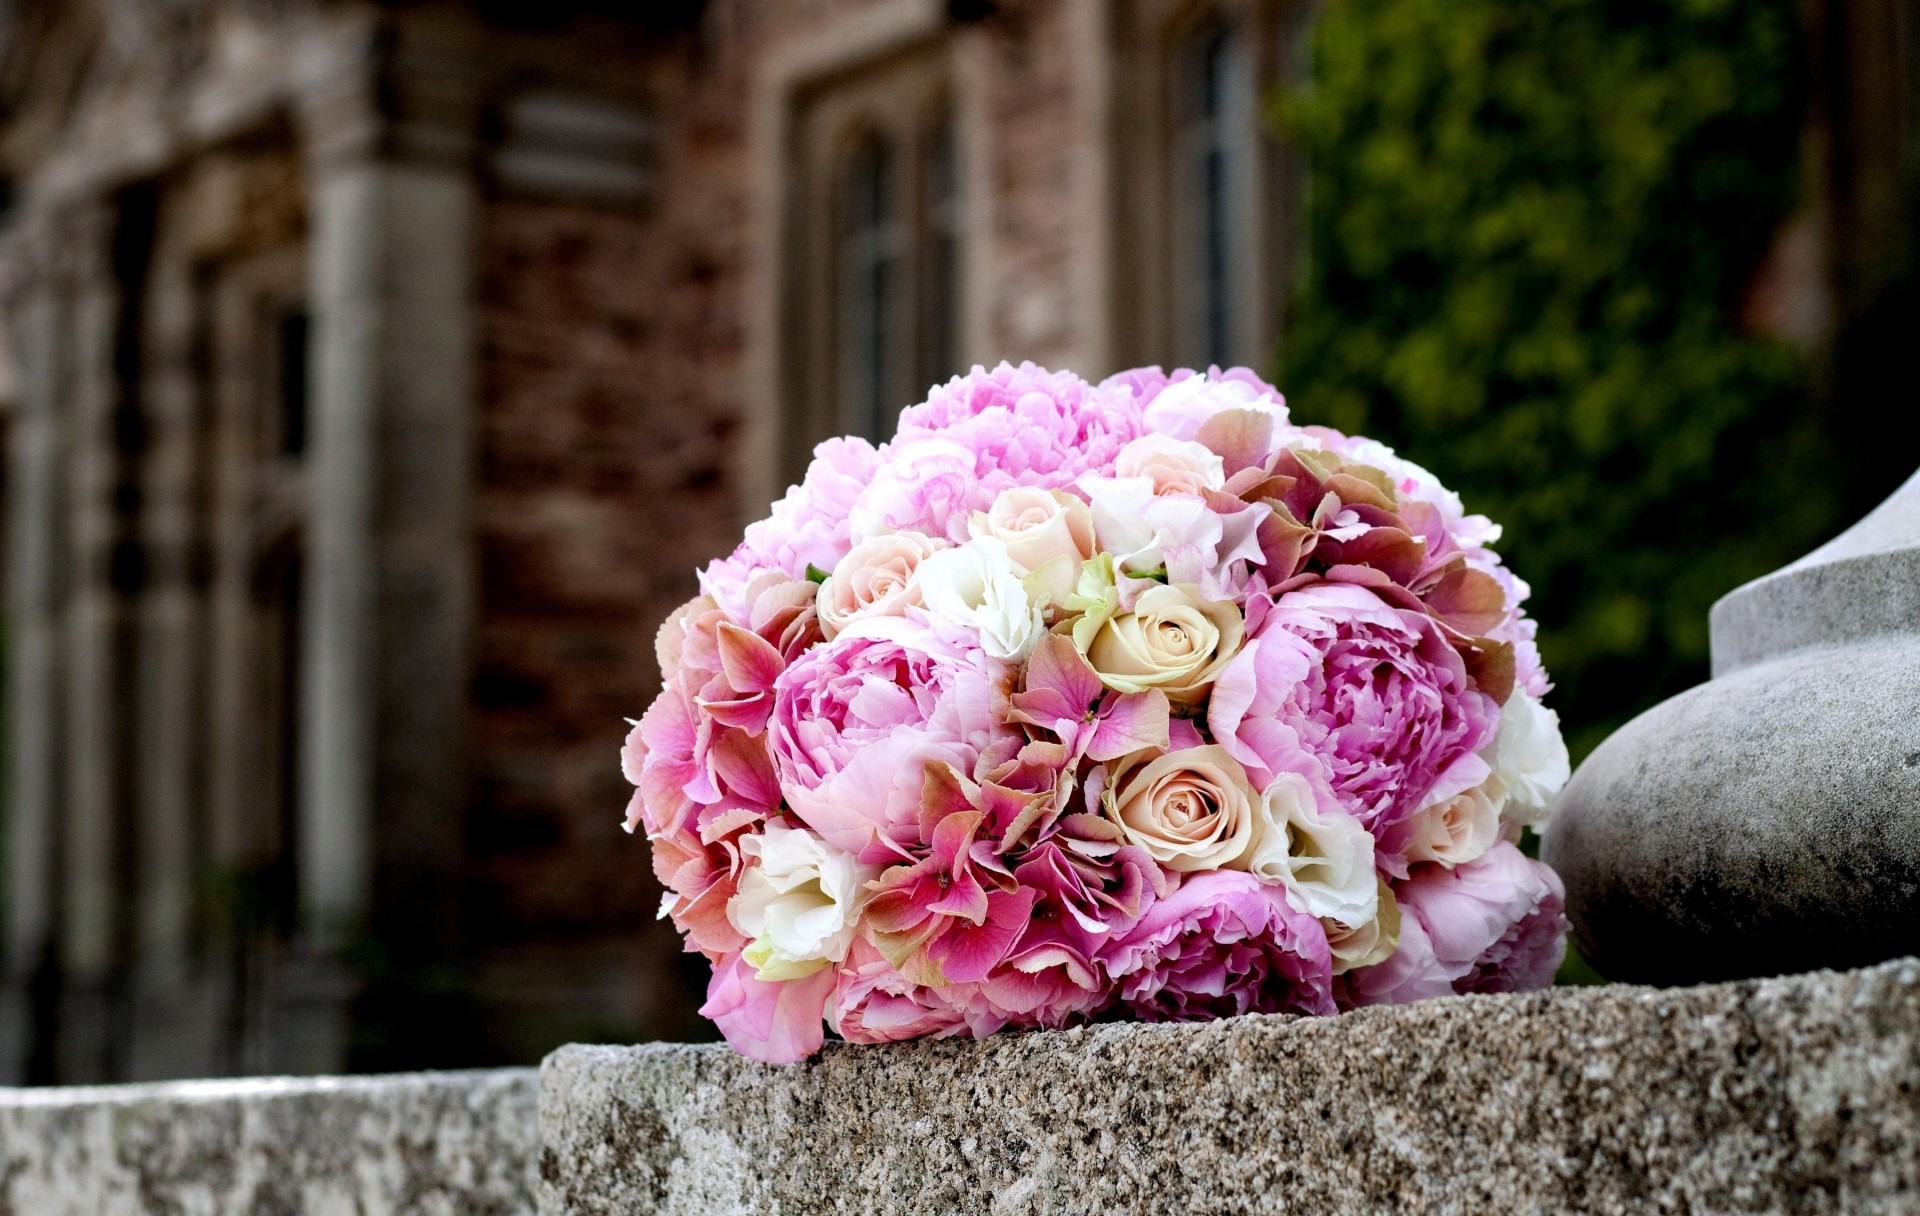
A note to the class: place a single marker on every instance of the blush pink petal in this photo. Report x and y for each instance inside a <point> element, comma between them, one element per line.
<point>774,1023</point>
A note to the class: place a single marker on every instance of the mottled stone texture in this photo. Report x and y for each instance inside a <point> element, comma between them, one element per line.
<point>430,1144</point>
<point>1790,1095</point>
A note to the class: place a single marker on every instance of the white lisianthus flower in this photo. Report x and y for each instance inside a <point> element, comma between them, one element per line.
<point>1459,829</point>
<point>1175,533</point>
<point>798,906</point>
<point>1529,759</point>
<point>1324,858</point>
<point>976,586</point>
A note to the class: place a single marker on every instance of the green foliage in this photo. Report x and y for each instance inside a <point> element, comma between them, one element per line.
<point>1531,227</point>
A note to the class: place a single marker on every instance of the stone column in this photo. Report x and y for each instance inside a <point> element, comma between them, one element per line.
<point>94,916</point>
<point>1767,821</point>
<point>390,604</point>
<point>176,1031</point>
<point>36,565</point>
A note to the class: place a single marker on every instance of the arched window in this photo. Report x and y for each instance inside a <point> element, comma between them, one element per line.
<point>1214,164</point>
<point>873,295</point>
<point>1206,213</point>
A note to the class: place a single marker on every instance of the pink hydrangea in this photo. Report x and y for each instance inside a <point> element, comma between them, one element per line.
<point>871,1002</point>
<point>1223,944</point>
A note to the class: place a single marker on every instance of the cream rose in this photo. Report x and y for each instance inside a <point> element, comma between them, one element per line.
<point>875,578</point>
<point>1172,640</point>
<point>1046,532</point>
<point>1456,830</point>
<point>1364,945</point>
<point>1323,857</point>
<point>1174,466</point>
<point>1191,809</point>
<point>799,905</point>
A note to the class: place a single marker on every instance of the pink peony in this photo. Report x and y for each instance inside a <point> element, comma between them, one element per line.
<point>1491,925</point>
<point>809,527</point>
<point>986,432</point>
<point>1225,943</point>
<point>856,721</point>
<point>1386,706</point>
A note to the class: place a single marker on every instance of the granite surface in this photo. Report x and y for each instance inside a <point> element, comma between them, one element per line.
<point>430,1144</point>
<point>1793,1095</point>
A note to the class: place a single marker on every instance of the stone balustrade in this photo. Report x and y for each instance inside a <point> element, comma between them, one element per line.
<point>1798,1094</point>
<point>421,1144</point>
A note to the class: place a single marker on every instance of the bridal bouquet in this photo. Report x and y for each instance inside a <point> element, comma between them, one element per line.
<point>1082,701</point>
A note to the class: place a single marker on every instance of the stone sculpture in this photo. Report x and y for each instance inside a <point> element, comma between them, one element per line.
<point>1767,821</point>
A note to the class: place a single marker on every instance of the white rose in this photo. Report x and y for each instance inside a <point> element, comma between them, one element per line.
<point>1459,829</point>
<point>1175,466</point>
<point>1181,408</point>
<point>875,578</point>
<point>1529,759</point>
<point>798,907</point>
<point>1324,858</point>
<point>1364,945</point>
<point>1190,809</point>
<point>1046,532</point>
<point>975,586</point>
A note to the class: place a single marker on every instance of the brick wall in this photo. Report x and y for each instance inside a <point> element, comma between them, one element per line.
<point>609,426</point>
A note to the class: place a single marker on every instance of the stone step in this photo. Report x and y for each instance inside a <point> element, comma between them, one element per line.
<point>419,1144</point>
<point>1799,1094</point>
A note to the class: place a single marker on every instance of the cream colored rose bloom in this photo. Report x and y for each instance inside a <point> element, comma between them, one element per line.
<point>798,907</point>
<point>1172,640</point>
<point>1191,809</point>
<point>1324,858</point>
<point>875,578</point>
<point>1364,945</point>
<point>1175,466</point>
<point>1046,532</point>
<point>1459,829</point>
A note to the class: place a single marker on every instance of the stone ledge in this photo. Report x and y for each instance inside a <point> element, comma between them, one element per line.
<point>1799,1094</point>
<point>437,1144</point>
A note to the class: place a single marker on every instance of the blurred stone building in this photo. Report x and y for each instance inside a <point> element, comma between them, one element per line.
<point>381,372</point>
<point>377,373</point>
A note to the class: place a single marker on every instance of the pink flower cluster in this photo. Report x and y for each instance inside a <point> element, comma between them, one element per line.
<point>1077,701</point>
